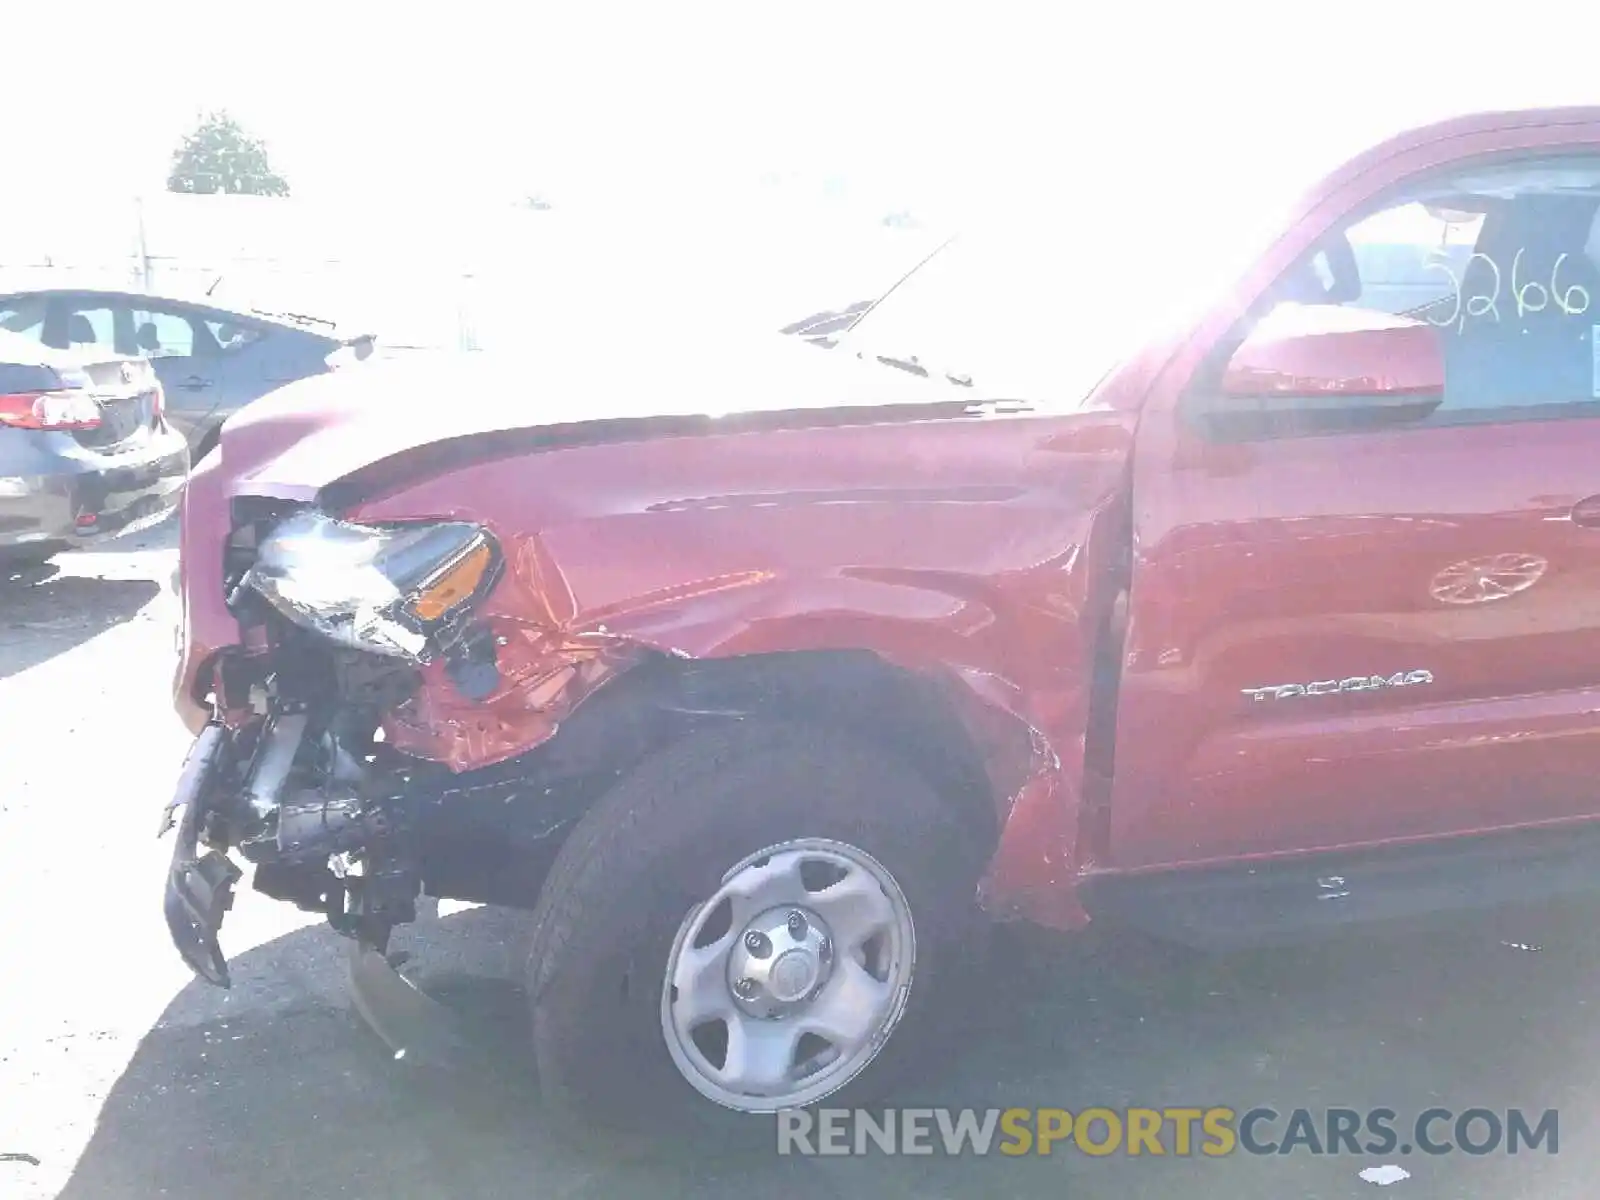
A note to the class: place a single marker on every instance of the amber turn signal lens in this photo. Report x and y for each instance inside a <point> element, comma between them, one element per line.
<point>451,586</point>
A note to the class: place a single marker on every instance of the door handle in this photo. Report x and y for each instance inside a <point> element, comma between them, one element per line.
<point>1586,512</point>
<point>195,384</point>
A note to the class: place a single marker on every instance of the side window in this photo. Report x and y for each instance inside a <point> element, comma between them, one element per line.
<point>1412,255</point>
<point>163,334</point>
<point>1474,297</point>
<point>24,316</point>
<point>91,327</point>
<point>231,337</point>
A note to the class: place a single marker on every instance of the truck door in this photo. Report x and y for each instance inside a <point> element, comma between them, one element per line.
<point>1366,600</point>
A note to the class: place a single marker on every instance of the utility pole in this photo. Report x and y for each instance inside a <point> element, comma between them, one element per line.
<point>144,249</point>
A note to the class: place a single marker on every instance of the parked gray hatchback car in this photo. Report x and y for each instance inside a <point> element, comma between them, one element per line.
<point>86,451</point>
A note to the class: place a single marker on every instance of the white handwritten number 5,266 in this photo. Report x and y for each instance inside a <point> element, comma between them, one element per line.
<point>1531,296</point>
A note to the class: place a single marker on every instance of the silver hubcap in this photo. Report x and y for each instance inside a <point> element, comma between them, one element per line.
<point>786,982</point>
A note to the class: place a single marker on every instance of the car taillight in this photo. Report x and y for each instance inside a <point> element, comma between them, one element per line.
<point>49,410</point>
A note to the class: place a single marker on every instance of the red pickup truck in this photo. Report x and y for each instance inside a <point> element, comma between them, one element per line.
<point>762,683</point>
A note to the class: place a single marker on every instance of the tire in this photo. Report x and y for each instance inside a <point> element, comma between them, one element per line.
<point>658,845</point>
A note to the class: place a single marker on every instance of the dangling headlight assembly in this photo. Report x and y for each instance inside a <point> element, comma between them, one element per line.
<point>395,590</point>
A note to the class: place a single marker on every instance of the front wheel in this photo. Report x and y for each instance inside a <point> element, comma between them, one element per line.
<point>755,919</point>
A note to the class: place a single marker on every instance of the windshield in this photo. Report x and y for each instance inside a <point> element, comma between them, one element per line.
<point>1044,314</point>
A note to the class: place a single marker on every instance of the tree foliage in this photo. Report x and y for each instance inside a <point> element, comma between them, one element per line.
<point>219,156</point>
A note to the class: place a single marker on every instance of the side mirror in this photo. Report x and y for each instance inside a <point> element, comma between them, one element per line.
<point>1328,369</point>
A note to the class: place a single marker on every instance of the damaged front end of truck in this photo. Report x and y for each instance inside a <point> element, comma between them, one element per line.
<point>414,659</point>
<point>299,767</point>
<point>292,771</point>
<point>298,770</point>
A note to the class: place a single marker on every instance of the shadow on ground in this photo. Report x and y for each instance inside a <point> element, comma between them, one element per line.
<point>44,613</point>
<point>303,1100</point>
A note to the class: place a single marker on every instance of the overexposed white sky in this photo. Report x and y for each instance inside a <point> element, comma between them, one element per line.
<point>921,105</point>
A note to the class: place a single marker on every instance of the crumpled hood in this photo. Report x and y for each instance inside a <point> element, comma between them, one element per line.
<point>294,442</point>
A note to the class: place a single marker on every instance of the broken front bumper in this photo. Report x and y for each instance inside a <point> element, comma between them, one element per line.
<point>199,886</point>
<point>325,829</point>
<point>200,891</point>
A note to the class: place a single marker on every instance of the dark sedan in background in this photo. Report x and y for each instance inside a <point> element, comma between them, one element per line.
<point>211,360</point>
<point>86,451</point>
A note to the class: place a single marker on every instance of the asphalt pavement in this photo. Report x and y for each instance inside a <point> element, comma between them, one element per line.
<point>122,1079</point>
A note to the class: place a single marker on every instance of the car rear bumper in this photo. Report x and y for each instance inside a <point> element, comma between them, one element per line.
<point>76,497</point>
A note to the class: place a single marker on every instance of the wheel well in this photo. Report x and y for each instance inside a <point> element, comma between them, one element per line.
<point>494,844</point>
<point>905,714</point>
